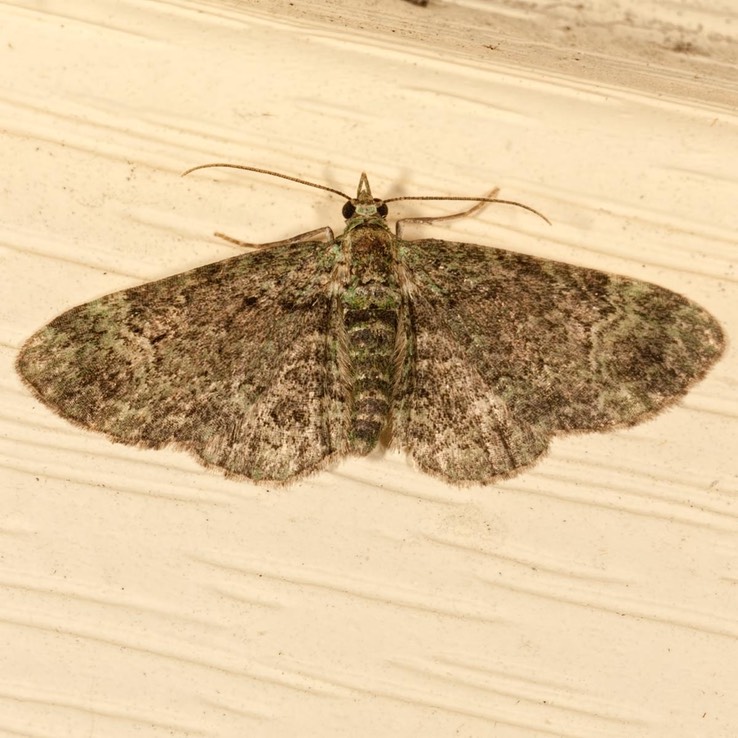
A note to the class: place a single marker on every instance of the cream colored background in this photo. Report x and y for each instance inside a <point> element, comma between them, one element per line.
<point>140,595</point>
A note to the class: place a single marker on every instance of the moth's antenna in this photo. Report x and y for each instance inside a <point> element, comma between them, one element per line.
<point>273,174</point>
<point>476,199</point>
<point>348,197</point>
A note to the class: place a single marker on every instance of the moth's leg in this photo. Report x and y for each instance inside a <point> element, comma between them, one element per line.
<point>470,211</point>
<point>326,233</point>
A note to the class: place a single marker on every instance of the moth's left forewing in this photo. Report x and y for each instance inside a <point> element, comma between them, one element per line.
<point>229,361</point>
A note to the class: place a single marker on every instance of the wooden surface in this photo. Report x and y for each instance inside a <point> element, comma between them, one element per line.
<point>140,595</point>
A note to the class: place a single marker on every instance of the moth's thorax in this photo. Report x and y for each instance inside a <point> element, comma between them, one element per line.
<point>371,243</point>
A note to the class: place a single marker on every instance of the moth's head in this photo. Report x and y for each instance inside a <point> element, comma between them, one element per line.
<point>364,204</point>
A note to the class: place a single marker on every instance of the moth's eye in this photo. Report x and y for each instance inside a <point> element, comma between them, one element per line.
<point>348,210</point>
<point>382,209</point>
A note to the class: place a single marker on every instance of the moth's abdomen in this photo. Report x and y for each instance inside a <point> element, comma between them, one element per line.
<point>371,340</point>
<point>371,303</point>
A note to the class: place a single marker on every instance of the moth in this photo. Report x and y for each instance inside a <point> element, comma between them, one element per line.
<point>273,364</point>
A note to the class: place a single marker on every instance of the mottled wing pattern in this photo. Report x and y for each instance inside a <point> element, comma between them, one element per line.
<point>234,361</point>
<point>507,350</point>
